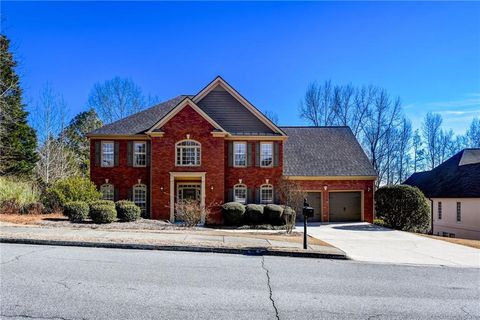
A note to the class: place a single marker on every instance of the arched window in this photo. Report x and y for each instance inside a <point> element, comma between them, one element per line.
<point>140,196</point>
<point>240,193</point>
<point>108,192</point>
<point>266,193</point>
<point>188,153</point>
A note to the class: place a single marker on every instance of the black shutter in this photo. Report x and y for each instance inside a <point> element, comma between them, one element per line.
<point>257,154</point>
<point>149,152</point>
<point>230,195</point>
<point>250,196</point>
<point>276,153</point>
<point>115,153</point>
<point>130,153</point>
<point>130,194</point>
<point>230,153</point>
<point>98,153</point>
<point>257,195</point>
<point>249,154</point>
<point>276,196</point>
<point>115,194</point>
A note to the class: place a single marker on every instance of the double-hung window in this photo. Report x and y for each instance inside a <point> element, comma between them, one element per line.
<point>140,196</point>
<point>266,154</point>
<point>188,153</point>
<point>440,210</point>
<point>107,191</point>
<point>139,154</point>
<point>459,211</point>
<point>107,154</point>
<point>240,193</point>
<point>239,154</point>
<point>266,193</point>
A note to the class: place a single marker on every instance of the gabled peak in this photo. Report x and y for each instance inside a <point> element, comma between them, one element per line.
<point>470,156</point>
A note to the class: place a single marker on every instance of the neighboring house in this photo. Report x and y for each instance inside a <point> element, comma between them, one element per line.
<point>216,147</point>
<point>454,190</point>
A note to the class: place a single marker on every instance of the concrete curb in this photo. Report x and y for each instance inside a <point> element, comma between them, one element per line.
<point>251,251</point>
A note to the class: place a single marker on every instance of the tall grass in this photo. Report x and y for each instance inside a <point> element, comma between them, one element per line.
<point>23,192</point>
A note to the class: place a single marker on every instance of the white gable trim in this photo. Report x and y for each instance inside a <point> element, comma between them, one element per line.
<point>185,102</point>
<point>219,81</point>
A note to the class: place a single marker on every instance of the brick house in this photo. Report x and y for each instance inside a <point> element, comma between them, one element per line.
<point>215,146</point>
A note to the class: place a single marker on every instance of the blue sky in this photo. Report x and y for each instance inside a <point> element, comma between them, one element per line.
<point>426,53</point>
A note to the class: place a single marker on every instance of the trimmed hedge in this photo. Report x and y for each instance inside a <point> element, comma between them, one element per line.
<point>103,213</point>
<point>274,213</point>
<point>254,213</point>
<point>76,211</point>
<point>233,213</point>
<point>127,210</point>
<point>403,207</point>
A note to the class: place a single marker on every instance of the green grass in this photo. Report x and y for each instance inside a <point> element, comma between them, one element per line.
<point>24,192</point>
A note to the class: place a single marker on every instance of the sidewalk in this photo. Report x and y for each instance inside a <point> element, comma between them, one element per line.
<point>176,240</point>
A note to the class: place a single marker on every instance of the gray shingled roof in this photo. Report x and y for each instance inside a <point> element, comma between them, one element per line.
<point>457,177</point>
<point>324,151</point>
<point>141,121</point>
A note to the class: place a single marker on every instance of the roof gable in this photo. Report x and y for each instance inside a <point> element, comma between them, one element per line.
<point>238,116</point>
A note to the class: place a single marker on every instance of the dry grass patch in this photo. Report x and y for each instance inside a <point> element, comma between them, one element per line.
<point>464,242</point>
<point>31,218</point>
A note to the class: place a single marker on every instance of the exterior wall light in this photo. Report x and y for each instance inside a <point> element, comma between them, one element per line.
<point>325,188</point>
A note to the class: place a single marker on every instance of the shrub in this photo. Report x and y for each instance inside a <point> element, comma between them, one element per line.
<point>127,210</point>
<point>76,211</point>
<point>189,212</point>
<point>233,213</point>
<point>68,190</point>
<point>102,213</point>
<point>273,214</point>
<point>379,222</point>
<point>10,206</point>
<point>33,208</point>
<point>288,217</point>
<point>17,195</point>
<point>102,203</point>
<point>254,213</point>
<point>403,207</point>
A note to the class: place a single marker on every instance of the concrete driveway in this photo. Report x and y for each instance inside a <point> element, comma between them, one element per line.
<point>366,242</point>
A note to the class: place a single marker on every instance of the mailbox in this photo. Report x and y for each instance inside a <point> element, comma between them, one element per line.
<point>308,212</point>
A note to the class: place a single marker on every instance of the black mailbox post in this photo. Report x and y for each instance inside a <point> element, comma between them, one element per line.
<point>308,212</point>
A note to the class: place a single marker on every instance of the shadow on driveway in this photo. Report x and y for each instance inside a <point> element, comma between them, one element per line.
<point>361,227</point>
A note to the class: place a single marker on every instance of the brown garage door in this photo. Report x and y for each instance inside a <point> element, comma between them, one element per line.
<point>314,199</point>
<point>345,206</point>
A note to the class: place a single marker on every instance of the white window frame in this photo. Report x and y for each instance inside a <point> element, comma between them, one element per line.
<point>243,188</point>
<point>141,203</point>
<point>102,153</point>
<point>107,187</point>
<point>439,210</point>
<point>262,154</point>
<point>235,153</point>
<point>179,149</point>
<point>459,212</point>
<point>265,187</point>
<point>135,153</point>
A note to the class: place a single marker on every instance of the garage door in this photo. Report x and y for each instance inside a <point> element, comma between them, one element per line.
<point>345,206</point>
<point>314,199</point>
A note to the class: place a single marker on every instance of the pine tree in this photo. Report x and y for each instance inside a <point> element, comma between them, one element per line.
<point>18,140</point>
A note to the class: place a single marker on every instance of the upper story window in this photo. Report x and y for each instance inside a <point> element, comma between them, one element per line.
<point>266,154</point>
<point>459,211</point>
<point>107,191</point>
<point>240,193</point>
<point>188,153</point>
<point>266,193</point>
<point>239,154</point>
<point>440,210</point>
<point>139,154</point>
<point>140,196</point>
<point>108,149</point>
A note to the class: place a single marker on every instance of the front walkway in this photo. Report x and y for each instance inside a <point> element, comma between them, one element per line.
<point>366,242</point>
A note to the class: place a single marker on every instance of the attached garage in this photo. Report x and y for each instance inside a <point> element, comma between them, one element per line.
<point>345,206</point>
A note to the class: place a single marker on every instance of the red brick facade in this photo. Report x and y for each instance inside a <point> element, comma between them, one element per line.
<point>219,177</point>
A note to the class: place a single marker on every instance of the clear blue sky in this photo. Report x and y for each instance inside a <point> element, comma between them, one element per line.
<point>426,53</point>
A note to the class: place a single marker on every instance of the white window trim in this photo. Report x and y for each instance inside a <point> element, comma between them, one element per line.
<point>266,186</point>
<point>139,153</point>
<point>271,164</point>
<point>140,187</point>
<point>181,147</point>
<point>237,187</point>
<point>101,154</point>
<point>234,153</point>
<point>108,185</point>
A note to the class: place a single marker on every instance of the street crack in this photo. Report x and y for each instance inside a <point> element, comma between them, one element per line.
<point>270,288</point>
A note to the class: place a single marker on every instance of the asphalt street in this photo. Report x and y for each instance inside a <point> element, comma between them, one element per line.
<point>46,282</point>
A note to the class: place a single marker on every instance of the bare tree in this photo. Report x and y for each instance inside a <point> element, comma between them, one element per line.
<point>317,105</point>
<point>404,139</point>
<point>271,115</point>
<point>291,195</point>
<point>418,152</point>
<point>431,128</point>
<point>117,98</point>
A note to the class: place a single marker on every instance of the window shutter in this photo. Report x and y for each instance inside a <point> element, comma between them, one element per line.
<point>149,153</point>
<point>257,154</point>
<point>130,194</point>
<point>250,197</point>
<point>98,152</point>
<point>276,153</point>
<point>115,153</point>
<point>257,195</point>
<point>276,196</point>
<point>249,154</point>
<point>115,194</point>
<point>130,153</point>
<point>230,195</point>
<point>230,153</point>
